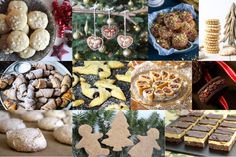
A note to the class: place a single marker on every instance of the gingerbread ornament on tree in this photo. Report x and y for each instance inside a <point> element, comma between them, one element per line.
<point>119,133</point>
<point>125,40</point>
<point>146,144</point>
<point>94,42</point>
<point>90,142</point>
<point>109,31</point>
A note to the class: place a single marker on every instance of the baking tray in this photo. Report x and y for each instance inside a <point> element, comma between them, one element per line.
<point>91,79</point>
<point>10,70</point>
<point>54,148</point>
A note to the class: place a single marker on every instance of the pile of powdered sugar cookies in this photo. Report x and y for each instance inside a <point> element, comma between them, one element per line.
<point>21,138</point>
<point>23,32</point>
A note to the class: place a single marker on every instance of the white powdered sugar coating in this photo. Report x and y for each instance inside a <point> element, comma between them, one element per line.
<point>39,39</point>
<point>26,140</point>
<point>16,20</point>
<point>37,19</point>
<point>17,41</point>
<point>18,5</point>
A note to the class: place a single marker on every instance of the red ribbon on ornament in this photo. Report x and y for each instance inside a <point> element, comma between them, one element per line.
<point>63,16</point>
<point>228,70</point>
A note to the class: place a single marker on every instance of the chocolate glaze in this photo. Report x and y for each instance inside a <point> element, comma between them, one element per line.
<point>228,124</point>
<point>197,134</point>
<point>214,116</point>
<point>203,128</point>
<point>224,131</point>
<point>173,130</point>
<point>188,119</point>
<point>195,114</point>
<point>231,118</point>
<point>220,137</point>
<point>208,121</point>
<point>179,124</point>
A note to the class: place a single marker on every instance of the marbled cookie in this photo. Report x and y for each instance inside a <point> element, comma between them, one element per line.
<point>4,28</point>
<point>17,5</point>
<point>39,39</point>
<point>16,20</point>
<point>17,41</point>
<point>37,19</point>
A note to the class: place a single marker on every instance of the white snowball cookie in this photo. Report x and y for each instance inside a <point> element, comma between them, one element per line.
<point>39,39</point>
<point>17,41</point>
<point>32,116</point>
<point>26,140</point>
<point>11,124</point>
<point>26,29</point>
<point>27,53</point>
<point>16,20</point>
<point>4,28</point>
<point>63,134</point>
<point>17,5</point>
<point>49,123</point>
<point>55,113</point>
<point>37,19</point>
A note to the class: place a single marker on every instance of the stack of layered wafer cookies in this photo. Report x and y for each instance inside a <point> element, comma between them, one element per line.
<point>212,36</point>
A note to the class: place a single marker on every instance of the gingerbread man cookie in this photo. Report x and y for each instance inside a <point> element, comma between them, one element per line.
<point>90,142</point>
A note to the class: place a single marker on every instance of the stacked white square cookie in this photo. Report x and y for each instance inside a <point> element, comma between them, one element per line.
<point>23,32</point>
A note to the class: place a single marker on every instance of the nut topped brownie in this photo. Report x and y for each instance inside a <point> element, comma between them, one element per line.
<point>195,138</point>
<point>174,134</point>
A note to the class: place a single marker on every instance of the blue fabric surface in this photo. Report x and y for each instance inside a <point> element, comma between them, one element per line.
<point>153,54</point>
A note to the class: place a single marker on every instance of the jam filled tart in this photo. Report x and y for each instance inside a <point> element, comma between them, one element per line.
<point>158,85</point>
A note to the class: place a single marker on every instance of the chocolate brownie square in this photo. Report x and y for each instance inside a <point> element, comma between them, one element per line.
<point>173,134</point>
<point>195,138</point>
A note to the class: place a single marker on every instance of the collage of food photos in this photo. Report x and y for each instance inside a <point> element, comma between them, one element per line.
<point>118,78</point>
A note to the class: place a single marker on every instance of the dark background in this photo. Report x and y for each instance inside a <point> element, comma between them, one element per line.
<point>229,93</point>
<point>4,65</point>
<point>153,53</point>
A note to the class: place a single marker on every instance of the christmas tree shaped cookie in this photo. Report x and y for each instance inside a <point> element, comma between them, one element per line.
<point>146,144</point>
<point>90,142</point>
<point>119,133</point>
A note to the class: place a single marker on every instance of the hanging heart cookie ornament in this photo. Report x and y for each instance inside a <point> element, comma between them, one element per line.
<point>124,41</point>
<point>94,42</point>
<point>109,32</point>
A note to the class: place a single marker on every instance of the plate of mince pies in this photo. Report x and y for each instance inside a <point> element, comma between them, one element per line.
<point>27,30</point>
<point>156,86</point>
